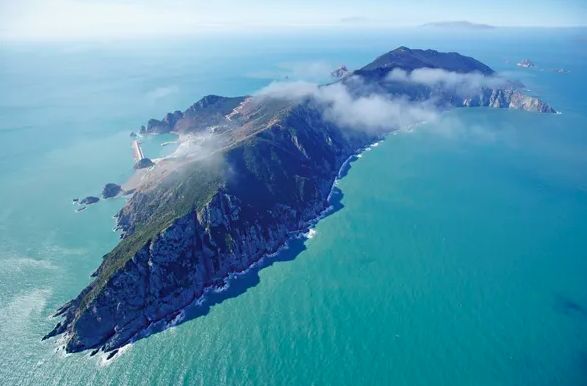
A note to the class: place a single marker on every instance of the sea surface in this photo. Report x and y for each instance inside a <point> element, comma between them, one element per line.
<point>459,256</point>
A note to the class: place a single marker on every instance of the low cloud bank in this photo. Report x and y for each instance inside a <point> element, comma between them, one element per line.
<point>459,83</point>
<point>197,146</point>
<point>370,112</point>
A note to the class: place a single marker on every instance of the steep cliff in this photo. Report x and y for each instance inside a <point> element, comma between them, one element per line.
<point>268,186</point>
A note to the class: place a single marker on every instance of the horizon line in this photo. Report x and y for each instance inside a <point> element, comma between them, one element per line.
<point>252,28</point>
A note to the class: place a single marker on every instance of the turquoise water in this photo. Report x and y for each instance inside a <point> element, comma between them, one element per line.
<point>459,257</point>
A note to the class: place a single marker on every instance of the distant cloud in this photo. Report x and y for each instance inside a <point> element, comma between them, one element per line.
<point>461,24</point>
<point>111,19</point>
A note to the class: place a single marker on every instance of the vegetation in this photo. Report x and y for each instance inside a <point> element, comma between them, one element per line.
<point>187,191</point>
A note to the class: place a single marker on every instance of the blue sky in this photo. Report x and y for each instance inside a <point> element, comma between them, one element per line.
<point>80,19</point>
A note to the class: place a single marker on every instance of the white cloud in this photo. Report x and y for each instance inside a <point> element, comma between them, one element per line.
<point>74,20</point>
<point>80,20</point>
<point>293,90</point>
<point>459,83</point>
<point>370,112</point>
<point>312,71</point>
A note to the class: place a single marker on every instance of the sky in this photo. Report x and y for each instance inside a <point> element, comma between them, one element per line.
<point>91,19</point>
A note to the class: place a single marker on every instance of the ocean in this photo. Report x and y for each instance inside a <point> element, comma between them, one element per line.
<point>458,255</point>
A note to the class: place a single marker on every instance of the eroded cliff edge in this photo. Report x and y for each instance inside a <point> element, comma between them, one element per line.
<point>195,219</point>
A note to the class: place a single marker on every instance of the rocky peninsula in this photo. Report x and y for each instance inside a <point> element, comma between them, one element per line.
<point>249,173</point>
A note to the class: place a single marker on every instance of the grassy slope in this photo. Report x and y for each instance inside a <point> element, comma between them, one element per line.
<point>188,190</point>
<point>196,187</point>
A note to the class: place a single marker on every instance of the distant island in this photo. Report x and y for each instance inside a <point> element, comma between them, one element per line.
<point>249,173</point>
<point>462,24</point>
<point>526,63</point>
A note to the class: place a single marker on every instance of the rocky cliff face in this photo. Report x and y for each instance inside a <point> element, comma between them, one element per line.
<point>290,168</point>
<point>508,98</point>
<point>207,112</point>
<point>171,271</point>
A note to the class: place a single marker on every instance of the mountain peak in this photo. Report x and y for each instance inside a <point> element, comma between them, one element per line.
<point>402,49</point>
<point>410,59</point>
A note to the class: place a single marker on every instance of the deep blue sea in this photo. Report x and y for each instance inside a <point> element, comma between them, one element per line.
<point>459,256</point>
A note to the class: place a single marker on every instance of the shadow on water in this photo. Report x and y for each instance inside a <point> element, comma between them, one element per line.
<point>239,284</point>
<point>574,310</point>
<point>582,367</point>
<point>568,306</point>
<point>345,169</point>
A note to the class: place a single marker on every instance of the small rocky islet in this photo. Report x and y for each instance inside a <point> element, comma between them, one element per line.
<point>526,63</point>
<point>111,190</point>
<point>89,200</point>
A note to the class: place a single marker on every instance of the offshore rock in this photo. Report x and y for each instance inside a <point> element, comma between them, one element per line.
<point>111,190</point>
<point>89,200</point>
<point>526,63</point>
<point>340,72</point>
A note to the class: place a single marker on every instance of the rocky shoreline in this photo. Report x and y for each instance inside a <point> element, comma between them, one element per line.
<point>225,282</point>
<point>218,211</point>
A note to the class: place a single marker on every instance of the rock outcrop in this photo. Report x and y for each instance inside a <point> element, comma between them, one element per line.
<point>165,125</point>
<point>340,72</point>
<point>111,190</point>
<point>507,98</point>
<point>89,200</point>
<point>526,63</point>
<point>143,163</point>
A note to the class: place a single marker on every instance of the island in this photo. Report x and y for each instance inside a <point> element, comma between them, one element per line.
<point>111,190</point>
<point>89,200</point>
<point>459,25</point>
<point>249,173</point>
<point>526,63</point>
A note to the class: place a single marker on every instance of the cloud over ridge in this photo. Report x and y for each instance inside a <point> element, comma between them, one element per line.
<point>360,111</point>
<point>463,84</point>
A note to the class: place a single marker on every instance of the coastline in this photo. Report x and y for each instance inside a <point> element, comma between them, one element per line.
<point>106,357</point>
